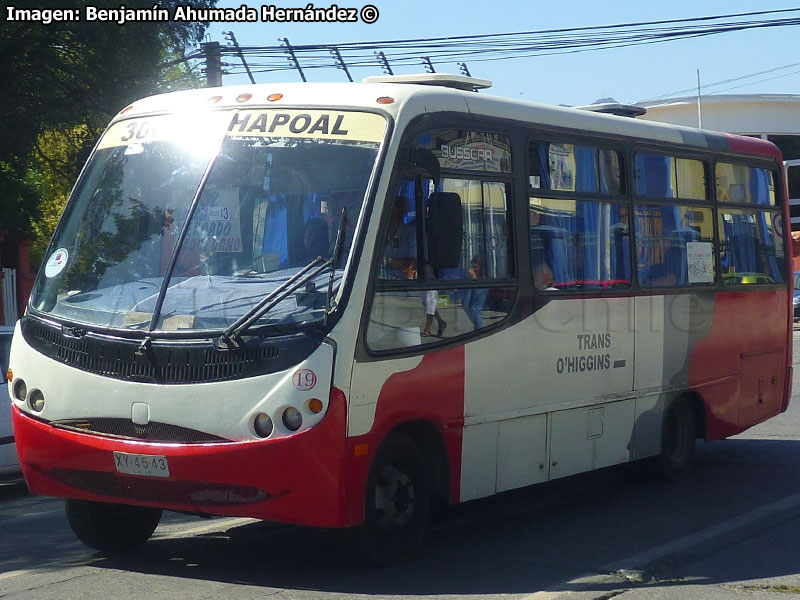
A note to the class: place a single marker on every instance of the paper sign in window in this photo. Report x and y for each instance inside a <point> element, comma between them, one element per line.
<point>700,262</point>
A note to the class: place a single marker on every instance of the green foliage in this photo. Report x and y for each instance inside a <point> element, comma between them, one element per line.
<point>63,83</point>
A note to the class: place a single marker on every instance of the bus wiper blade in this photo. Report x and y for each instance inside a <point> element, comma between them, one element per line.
<point>276,296</point>
<point>337,255</point>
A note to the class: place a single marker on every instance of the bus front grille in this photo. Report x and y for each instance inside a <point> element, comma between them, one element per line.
<point>127,429</point>
<point>164,362</point>
<point>185,493</point>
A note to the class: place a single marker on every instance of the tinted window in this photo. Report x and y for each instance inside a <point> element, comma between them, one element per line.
<point>746,185</point>
<point>662,176</point>
<point>577,244</point>
<point>751,251</point>
<point>465,150</point>
<point>674,245</point>
<point>574,168</point>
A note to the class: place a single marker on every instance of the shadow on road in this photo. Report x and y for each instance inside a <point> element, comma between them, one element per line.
<point>518,542</point>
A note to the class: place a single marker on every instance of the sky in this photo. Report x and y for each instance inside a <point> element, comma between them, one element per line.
<point>626,74</point>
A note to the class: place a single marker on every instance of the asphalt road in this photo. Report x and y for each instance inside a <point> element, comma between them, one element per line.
<point>729,530</point>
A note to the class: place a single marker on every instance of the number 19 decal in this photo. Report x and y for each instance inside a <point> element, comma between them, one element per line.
<point>304,379</point>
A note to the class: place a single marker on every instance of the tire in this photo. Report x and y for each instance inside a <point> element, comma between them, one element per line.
<point>396,504</point>
<point>678,433</point>
<point>112,527</point>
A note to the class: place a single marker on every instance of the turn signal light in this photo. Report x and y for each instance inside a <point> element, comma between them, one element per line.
<point>315,405</point>
<point>20,390</point>
<point>9,375</point>
<point>385,100</point>
<point>274,97</point>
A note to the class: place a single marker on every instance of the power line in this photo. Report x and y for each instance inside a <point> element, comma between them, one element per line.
<point>723,82</point>
<point>499,46</point>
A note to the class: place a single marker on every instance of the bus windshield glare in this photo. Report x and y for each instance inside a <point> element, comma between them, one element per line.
<point>256,206</point>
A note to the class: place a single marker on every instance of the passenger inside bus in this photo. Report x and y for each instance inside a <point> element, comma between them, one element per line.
<point>543,277</point>
<point>316,239</point>
<point>401,243</point>
<point>474,298</point>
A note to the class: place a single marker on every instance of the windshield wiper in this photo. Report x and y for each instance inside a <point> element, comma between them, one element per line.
<point>288,287</point>
<point>279,294</point>
<point>337,255</point>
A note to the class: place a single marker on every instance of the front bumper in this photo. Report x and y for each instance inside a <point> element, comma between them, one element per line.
<point>297,479</point>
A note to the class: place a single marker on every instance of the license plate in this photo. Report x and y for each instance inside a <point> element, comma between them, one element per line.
<point>141,464</point>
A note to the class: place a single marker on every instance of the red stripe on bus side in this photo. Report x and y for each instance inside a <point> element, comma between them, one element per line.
<point>749,145</point>
<point>433,393</point>
<point>742,359</point>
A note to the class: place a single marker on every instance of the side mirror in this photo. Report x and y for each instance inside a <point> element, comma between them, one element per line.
<point>425,159</point>
<point>444,230</point>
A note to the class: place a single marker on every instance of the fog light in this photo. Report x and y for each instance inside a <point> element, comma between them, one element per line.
<point>263,425</point>
<point>37,400</point>
<point>292,418</point>
<point>20,390</point>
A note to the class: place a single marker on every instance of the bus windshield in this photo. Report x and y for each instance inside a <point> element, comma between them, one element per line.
<point>236,211</point>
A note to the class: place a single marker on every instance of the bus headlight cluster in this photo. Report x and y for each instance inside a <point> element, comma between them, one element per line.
<point>292,418</point>
<point>36,400</point>
<point>20,390</point>
<point>263,425</point>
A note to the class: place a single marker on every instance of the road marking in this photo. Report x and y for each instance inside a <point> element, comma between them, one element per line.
<point>214,525</point>
<point>637,561</point>
<point>629,568</point>
<point>54,565</point>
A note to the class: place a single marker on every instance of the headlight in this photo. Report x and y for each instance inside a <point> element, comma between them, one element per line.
<point>263,425</point>
<point>36,400</point>
<point>20,390</point>
<point>292,418</point>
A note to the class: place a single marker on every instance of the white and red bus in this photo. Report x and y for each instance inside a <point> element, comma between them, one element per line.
<point>327,304</point>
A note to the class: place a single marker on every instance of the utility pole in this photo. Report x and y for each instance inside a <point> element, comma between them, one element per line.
<point>293,58</point>
<point>340,64</point>
<point>232,39</point>
<point>426,60</point>
<point>462,66</point>
<point>384,63</point>
<point>699,105</point>
<point>211,53</point>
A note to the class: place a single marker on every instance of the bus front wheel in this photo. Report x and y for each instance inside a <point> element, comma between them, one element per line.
<point>678,433</point>
<point>112,527</point>
<point>397,503</point>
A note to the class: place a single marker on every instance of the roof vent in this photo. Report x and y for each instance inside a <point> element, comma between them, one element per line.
<point>615,108</point>
<point>458,82</point>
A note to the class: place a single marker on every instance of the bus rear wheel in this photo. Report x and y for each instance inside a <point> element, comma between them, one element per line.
<point>397,503</point>
<point>112,527</point>
<point>678,433</point>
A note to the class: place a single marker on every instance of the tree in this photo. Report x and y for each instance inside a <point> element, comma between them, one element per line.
<point>63,83</point>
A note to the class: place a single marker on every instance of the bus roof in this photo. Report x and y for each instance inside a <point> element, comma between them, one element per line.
<point>413,99</point>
